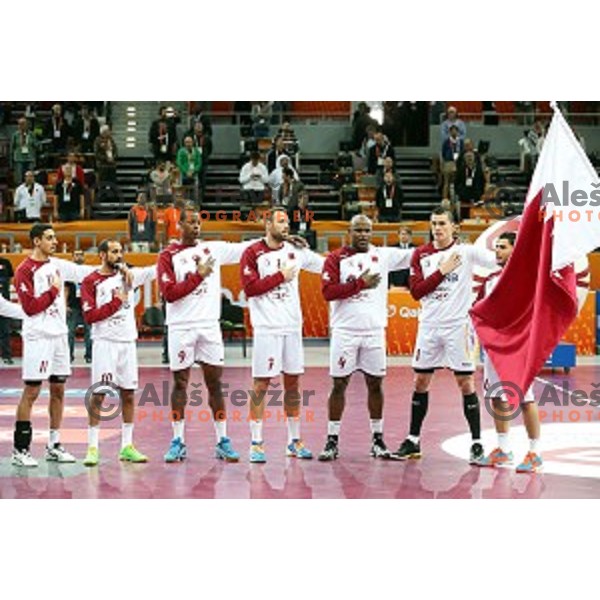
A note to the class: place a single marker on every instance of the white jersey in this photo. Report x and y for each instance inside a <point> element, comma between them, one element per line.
<point>10,310</point>
<point>42,303</point>
<point>110,318</point>
<point>446,299</point>
<point>352,306</point>
<point>274,304</point>
<point>191,300</point>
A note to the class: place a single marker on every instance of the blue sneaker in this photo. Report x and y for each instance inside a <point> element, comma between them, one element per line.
<point>177,451</point>
<point>257,453</point>
<point>532,463</point>
<point>297,450</point>
<point>224,450</point>
<point>496,458</point>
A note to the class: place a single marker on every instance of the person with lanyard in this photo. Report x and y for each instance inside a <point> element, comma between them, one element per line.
<point>29,199</point>
<point>69,194</point>
<point>389,200</point>
<point>189,163</point>
<point>23,147</point>
<point>142,225</point>
<point>57,129</point>
<point>378,152</point>
<point>451,150</point>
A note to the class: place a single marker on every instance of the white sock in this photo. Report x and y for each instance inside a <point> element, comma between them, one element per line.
<point>534,446</point>
<point>178,430</point>
<point>221,429</point>
<point>333,427</point>
<point>504,442</point>
<point>293,425</point>
<point>93,436</point>
<point>256,430</point>
<point>53,438</point>
<point>126,434</point>
<point>376,425</point>
<point>413,438</point>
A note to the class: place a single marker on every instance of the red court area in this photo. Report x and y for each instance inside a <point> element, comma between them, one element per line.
<point>571,446</point>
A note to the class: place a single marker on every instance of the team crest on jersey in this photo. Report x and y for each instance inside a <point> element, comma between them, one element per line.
<point>326,276</point>
<point>206,250</point>
<point>247,271</point>
<point>165,278</point>
<point>291,256</point>
<point>375,258</point>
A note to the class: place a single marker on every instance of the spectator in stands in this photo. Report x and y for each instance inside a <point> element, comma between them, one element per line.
<point>360,122</point>
<point>199,117</point>
<point>23,149</point>
<point>106,153</point>
<point>276,177</point>
<point>203,141</point>
<point>74,314</point>
<point>400,278</point>
<point>162,136</point>
<point>290,189</point>
<point>452,120</point>
<point>367,143</point>
<point>468,146</point>
<point>189,162</point>
<point>171,220</point>
<point>469,184</point>
<point>86,129</point>
<point>275,152</point>
<point>57,130</point>
<point>69,197</point>
<point>301,219</point>
<point>30,197</point>
<point>261,118</point>
<point>388,167</point>
<point>253,178</point>
<point>451,149</point>
<point>379,152</point>
<point>142,225</point>
<point>389,200</point>
<point>161,191</point>
<point>6,274</point>
<point>76,169</point>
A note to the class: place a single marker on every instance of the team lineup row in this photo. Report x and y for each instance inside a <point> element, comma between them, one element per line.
<point>354,282</point>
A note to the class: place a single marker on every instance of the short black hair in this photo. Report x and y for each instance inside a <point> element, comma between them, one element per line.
<point>38,230</point>
<point>188,207</point>
<point>510,236</point>
<point>289,172</point>
<point>275,209</point>
<point>103,245</point>
<point>440,210</point>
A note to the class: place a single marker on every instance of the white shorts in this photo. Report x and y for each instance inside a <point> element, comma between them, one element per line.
<point>115,363</point>
<point>195,345</point>
<point>490,379</point>
<point>273,354</point>
<point>439,347</point>
<point>44,357</point>
<point>350,352</point>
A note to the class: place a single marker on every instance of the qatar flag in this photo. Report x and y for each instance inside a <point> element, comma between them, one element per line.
<point>525,316</point>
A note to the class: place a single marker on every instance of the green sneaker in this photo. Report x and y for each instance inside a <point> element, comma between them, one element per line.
<point>130,454</point>
<point>92,457</point>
